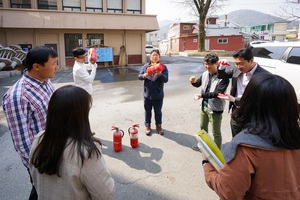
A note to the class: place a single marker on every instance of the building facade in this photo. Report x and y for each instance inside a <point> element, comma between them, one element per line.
<point>184,37</point>
<point>181,37</point>
<point>66,24</point>
<point>275,31</point>
<point>223,39</point>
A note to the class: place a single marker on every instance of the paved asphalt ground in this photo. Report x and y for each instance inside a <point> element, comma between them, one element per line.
<point>162,167</point>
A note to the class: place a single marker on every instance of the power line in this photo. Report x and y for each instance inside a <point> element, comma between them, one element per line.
<point>255,4</point>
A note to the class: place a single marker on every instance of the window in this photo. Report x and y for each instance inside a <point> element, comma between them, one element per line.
<point>114,6</point>
<point>20,3</point>
<point>186,27</point>
<point>195,40</point>
<point>134,6</point>
<point>94,6</point>
<point>222,41</point>
<point>71,5</point>
<point>47,5</point>
<point>1,3</point>
<point>71,42</point>
<point>53,46</point>
<point>269,52</point>
<point>26,47</point>
<point>294,56</point>
<point>95,39</point>
<point>270,27</point>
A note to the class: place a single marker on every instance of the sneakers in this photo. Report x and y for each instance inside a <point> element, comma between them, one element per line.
<point>148,130</point>
<point>159,129</point>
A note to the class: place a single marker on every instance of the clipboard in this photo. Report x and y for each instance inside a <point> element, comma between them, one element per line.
<point>209,148</point>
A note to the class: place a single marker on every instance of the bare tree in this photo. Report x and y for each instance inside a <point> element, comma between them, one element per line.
<point>201,9</point>
<point>290,10</point>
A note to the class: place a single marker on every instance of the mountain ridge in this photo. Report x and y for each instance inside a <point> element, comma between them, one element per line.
<point>247,17</point>
<point>243,17</point>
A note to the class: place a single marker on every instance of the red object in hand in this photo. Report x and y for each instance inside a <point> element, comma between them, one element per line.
<point>222,95</point>
<point>223,62</point>
<point>155,68</point>
<point>92,55</point>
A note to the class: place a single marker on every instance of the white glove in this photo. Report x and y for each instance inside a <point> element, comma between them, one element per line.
<point>94,66</point>
<point>223,64</point>
<point>227,97</point>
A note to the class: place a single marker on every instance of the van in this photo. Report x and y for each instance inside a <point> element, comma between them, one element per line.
<point>281,58</point>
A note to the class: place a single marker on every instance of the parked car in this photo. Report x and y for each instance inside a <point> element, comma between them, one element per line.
<point>281,58</point>
<point>149,48</point>
<point>257,42</point>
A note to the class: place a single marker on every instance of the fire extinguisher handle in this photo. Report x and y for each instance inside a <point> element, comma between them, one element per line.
<point>136,125</point>
<point>114,128</point>
<point>122,132</point>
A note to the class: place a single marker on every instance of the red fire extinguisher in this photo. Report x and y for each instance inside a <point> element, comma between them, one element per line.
<point>92,55</point>
<point>133,134</point>
<point>155,68</point>
<point>117,139</point>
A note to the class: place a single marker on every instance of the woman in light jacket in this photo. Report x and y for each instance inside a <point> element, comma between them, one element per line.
<point>262,161</point>
<point>65,159</point>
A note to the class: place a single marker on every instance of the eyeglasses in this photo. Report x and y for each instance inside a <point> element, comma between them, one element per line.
<point>239,64</point>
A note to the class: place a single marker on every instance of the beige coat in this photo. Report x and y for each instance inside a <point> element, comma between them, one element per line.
<point>257,173</point>
<point>92,180</point>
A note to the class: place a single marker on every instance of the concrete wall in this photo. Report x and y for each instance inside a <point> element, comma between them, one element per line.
<point>40,27</point>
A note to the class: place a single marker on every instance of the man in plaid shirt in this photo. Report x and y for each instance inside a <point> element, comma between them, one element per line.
<point>25,103</point>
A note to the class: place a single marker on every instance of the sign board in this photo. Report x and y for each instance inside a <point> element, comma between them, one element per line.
<point>104,54</point>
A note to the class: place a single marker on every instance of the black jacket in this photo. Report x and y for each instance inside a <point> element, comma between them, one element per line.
<point>234,74</point>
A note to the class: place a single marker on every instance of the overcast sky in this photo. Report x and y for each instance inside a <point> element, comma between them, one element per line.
<point>165,9</point>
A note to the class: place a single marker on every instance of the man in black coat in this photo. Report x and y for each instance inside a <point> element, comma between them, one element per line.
<point>240,75</point>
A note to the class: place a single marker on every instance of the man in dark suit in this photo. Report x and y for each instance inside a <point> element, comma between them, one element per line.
<point>240,75</point>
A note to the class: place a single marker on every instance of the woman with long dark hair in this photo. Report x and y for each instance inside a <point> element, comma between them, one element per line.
<point>65,159</point>
<point>262,161</point>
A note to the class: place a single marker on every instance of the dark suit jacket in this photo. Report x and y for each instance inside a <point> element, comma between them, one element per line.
<point>234,74</point>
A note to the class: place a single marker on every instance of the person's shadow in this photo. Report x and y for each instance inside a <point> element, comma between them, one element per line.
<point>140,158</point>
<point>182,139</point>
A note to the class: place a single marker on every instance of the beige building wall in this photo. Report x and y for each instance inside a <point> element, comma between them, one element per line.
<point>136,39</point>
<point>40,27</point>
<point>115,40</point>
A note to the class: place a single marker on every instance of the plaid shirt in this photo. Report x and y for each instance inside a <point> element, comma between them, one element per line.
<point>25,106</point>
